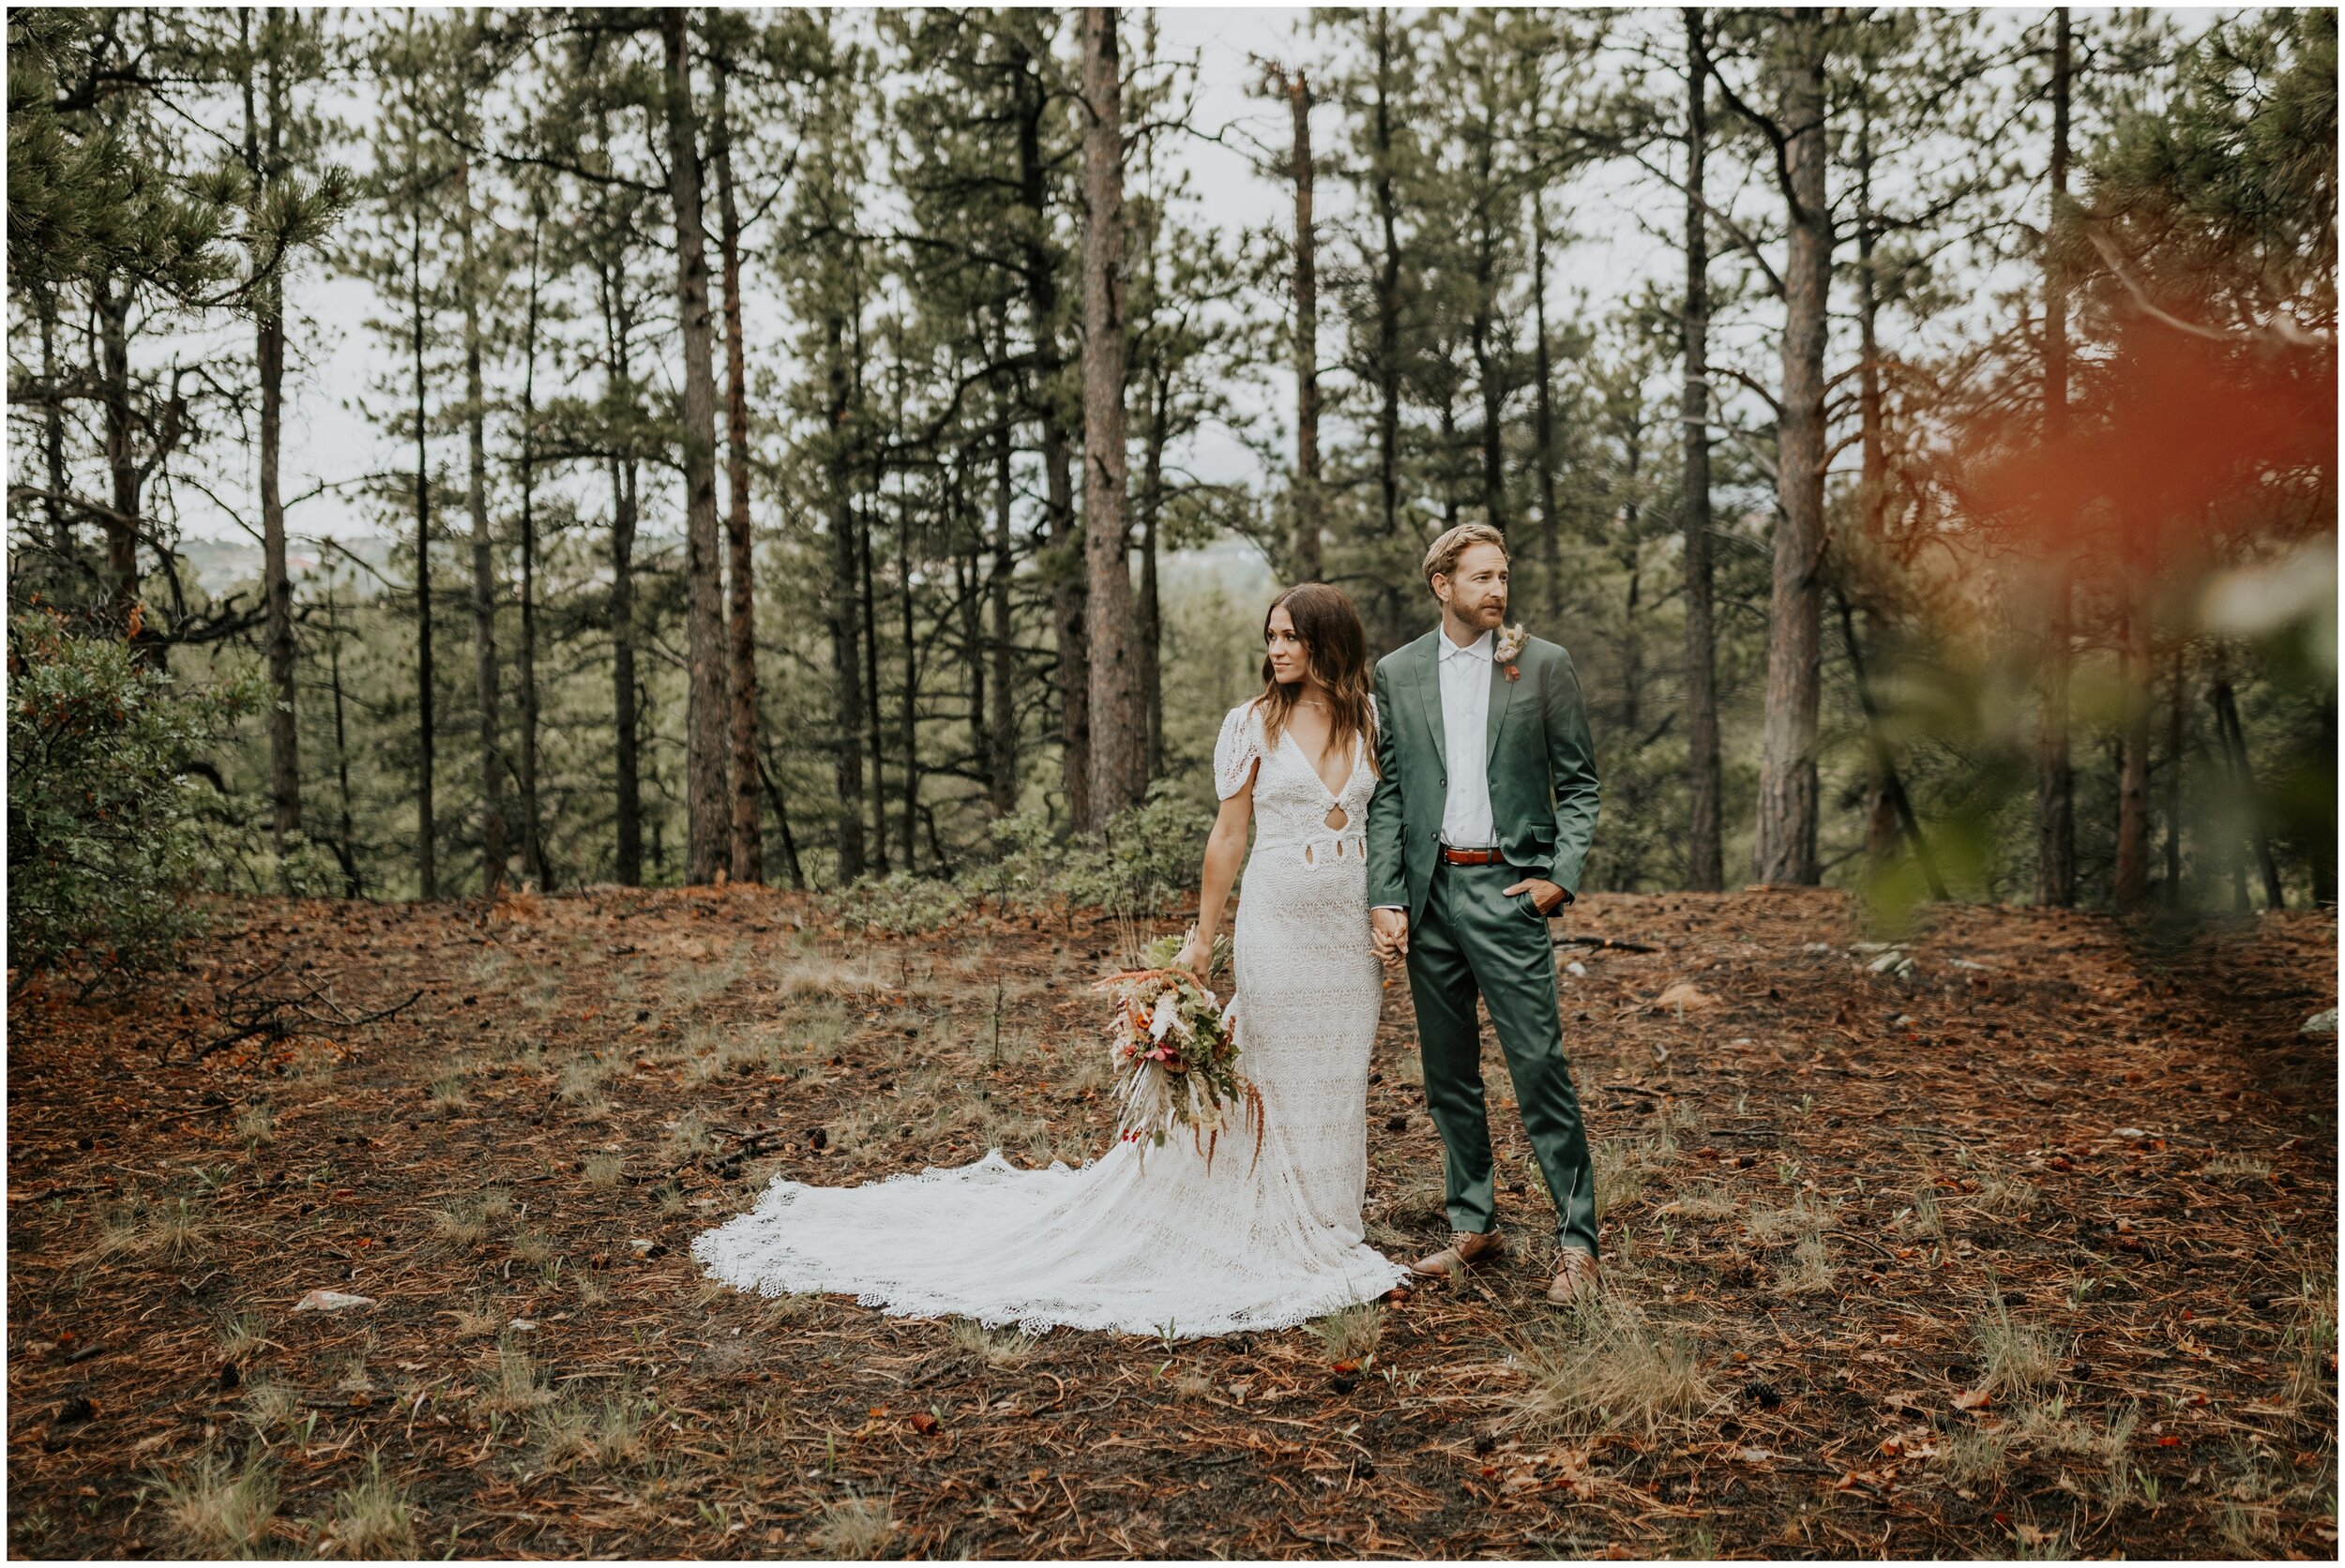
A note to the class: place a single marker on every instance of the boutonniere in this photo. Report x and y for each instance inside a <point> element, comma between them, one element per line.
<point>1509,647</point>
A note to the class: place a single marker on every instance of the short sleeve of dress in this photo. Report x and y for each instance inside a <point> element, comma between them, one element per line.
<point>1237,750</point>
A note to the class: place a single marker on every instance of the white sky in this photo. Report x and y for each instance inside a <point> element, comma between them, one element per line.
<point>329,441</point>
<point>1619,215</point>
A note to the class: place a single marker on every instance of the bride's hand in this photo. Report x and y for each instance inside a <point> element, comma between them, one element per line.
<point>1196,958</point>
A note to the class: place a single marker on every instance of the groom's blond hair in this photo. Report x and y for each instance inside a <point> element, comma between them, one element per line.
<point>1442,559</point>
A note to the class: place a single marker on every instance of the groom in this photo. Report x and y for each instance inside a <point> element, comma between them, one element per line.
<point>1485,801</point>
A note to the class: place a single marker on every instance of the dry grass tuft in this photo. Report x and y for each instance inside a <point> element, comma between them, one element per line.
<point>996,1347</point>
<point>450,1094</point>
<point>1607,1367</point>
<point>1619,1174</point>
<point>216,1514</point>
<point>257,1123</point>
<point>855,1528</point>
<point>1351,1334</point>
<point>269,1404</point>
<point>1702,1204</point>
<point>604,1171</point>
<point>2236,1167</point>
<point>2018,1358</point>
<point>373,1517</point>
<point>243,1336</point>
<point>1810,1272</point>
<point>1804,1217</point>
<point>607,1433</point>
<point>461,1223</point>
<point>514,1384</point>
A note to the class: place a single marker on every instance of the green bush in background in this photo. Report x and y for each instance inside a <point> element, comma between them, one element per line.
<point>1145,863</point>
<point>103,856</point>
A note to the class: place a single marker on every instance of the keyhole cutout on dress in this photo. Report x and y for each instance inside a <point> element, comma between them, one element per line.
<point>1335,818</point>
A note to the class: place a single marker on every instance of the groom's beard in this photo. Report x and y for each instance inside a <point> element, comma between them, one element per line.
<point>1490,613</point>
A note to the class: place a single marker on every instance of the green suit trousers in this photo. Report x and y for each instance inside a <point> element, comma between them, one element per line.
<point>1471,940</point>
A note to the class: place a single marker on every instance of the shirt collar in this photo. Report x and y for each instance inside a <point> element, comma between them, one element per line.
<point>1479,648</point>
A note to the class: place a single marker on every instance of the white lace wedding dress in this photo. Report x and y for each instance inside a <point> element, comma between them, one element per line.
<point>1152,1241</point>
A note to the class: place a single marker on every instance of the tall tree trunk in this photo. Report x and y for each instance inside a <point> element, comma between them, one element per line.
<point>263,152</point>
<point>708,816</point>
<point>625,720</point>
<point>1309,520</point>
<point>2055,778</point>
<point>61,536</point>
<point>426,822</point>
<point>1387,290</point>
<point>2130,878</point>
<point>121,591</point>
<point>1543,418</point>
<point>532,827</point>
<point>1785,849</point>
<point>618,327</point>
<point>285,745</point>
<point>846,665</point>
<point>1002,773</point>
<point>483,561</point>
<point>1119,752</point>
<point>1149,625</point>
<point>1478,329</point>
<point>872,693</point>
<point>1705,861</point>
<point>908,711</point>
<point>748,846</point>
<point>1065,568</point>
<point>353,886</point>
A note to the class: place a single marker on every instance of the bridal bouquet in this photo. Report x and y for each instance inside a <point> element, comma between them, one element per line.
<point>1175,1054</point>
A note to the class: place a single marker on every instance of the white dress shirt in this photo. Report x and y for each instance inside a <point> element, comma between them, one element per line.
<point>1466,818</point>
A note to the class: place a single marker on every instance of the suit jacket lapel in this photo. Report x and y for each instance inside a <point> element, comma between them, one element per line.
<point>1502,693</point>
<point>1428,685</point>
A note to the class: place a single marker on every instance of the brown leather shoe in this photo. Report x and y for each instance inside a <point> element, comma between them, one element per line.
<point>1466,1249</point>
<point>1575,1276</point>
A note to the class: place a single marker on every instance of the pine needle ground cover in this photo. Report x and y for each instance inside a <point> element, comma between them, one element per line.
<point>2016,1240</point>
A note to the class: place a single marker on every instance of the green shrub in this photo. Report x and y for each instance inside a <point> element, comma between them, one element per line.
<point>1148,858</point>
<point>102,856</point>
<point>901,905</point>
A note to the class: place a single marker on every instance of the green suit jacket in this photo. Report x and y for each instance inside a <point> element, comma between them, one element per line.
<point>1542,766</point>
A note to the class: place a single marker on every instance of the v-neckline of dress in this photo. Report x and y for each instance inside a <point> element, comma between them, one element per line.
<point>1335,797</point>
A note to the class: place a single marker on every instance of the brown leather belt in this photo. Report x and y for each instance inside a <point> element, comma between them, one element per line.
<point>1469,857</point>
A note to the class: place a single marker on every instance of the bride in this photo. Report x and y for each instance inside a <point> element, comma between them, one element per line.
<point>1178,1245</point>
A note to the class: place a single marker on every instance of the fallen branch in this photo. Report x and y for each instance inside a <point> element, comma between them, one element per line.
<point>1609,944</point>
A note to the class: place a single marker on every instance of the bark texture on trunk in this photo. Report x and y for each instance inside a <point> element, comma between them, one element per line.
<point>1706,862</point>
<point>427,822</point>
<point>2055,775</point>
<point>1063,566</point>
<point>483,562</point>
<point>846,656</point>
<point>1119,756</point>
<point>1785,848</point>
<point>1308,518</point>
<point>748,845</point>
<point>708,815</point>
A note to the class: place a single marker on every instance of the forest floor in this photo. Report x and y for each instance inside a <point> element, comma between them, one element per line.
<point>2029,1250</point>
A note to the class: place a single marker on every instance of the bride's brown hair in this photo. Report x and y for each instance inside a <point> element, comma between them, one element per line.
<point>1330,631</point>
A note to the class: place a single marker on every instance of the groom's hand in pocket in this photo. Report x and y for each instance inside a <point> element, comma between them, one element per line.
<point>1388,932</point>
<point>1545,896</point>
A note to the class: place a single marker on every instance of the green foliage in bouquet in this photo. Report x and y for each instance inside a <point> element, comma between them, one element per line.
<point>103,855</point>
<point>1175,1058</point>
